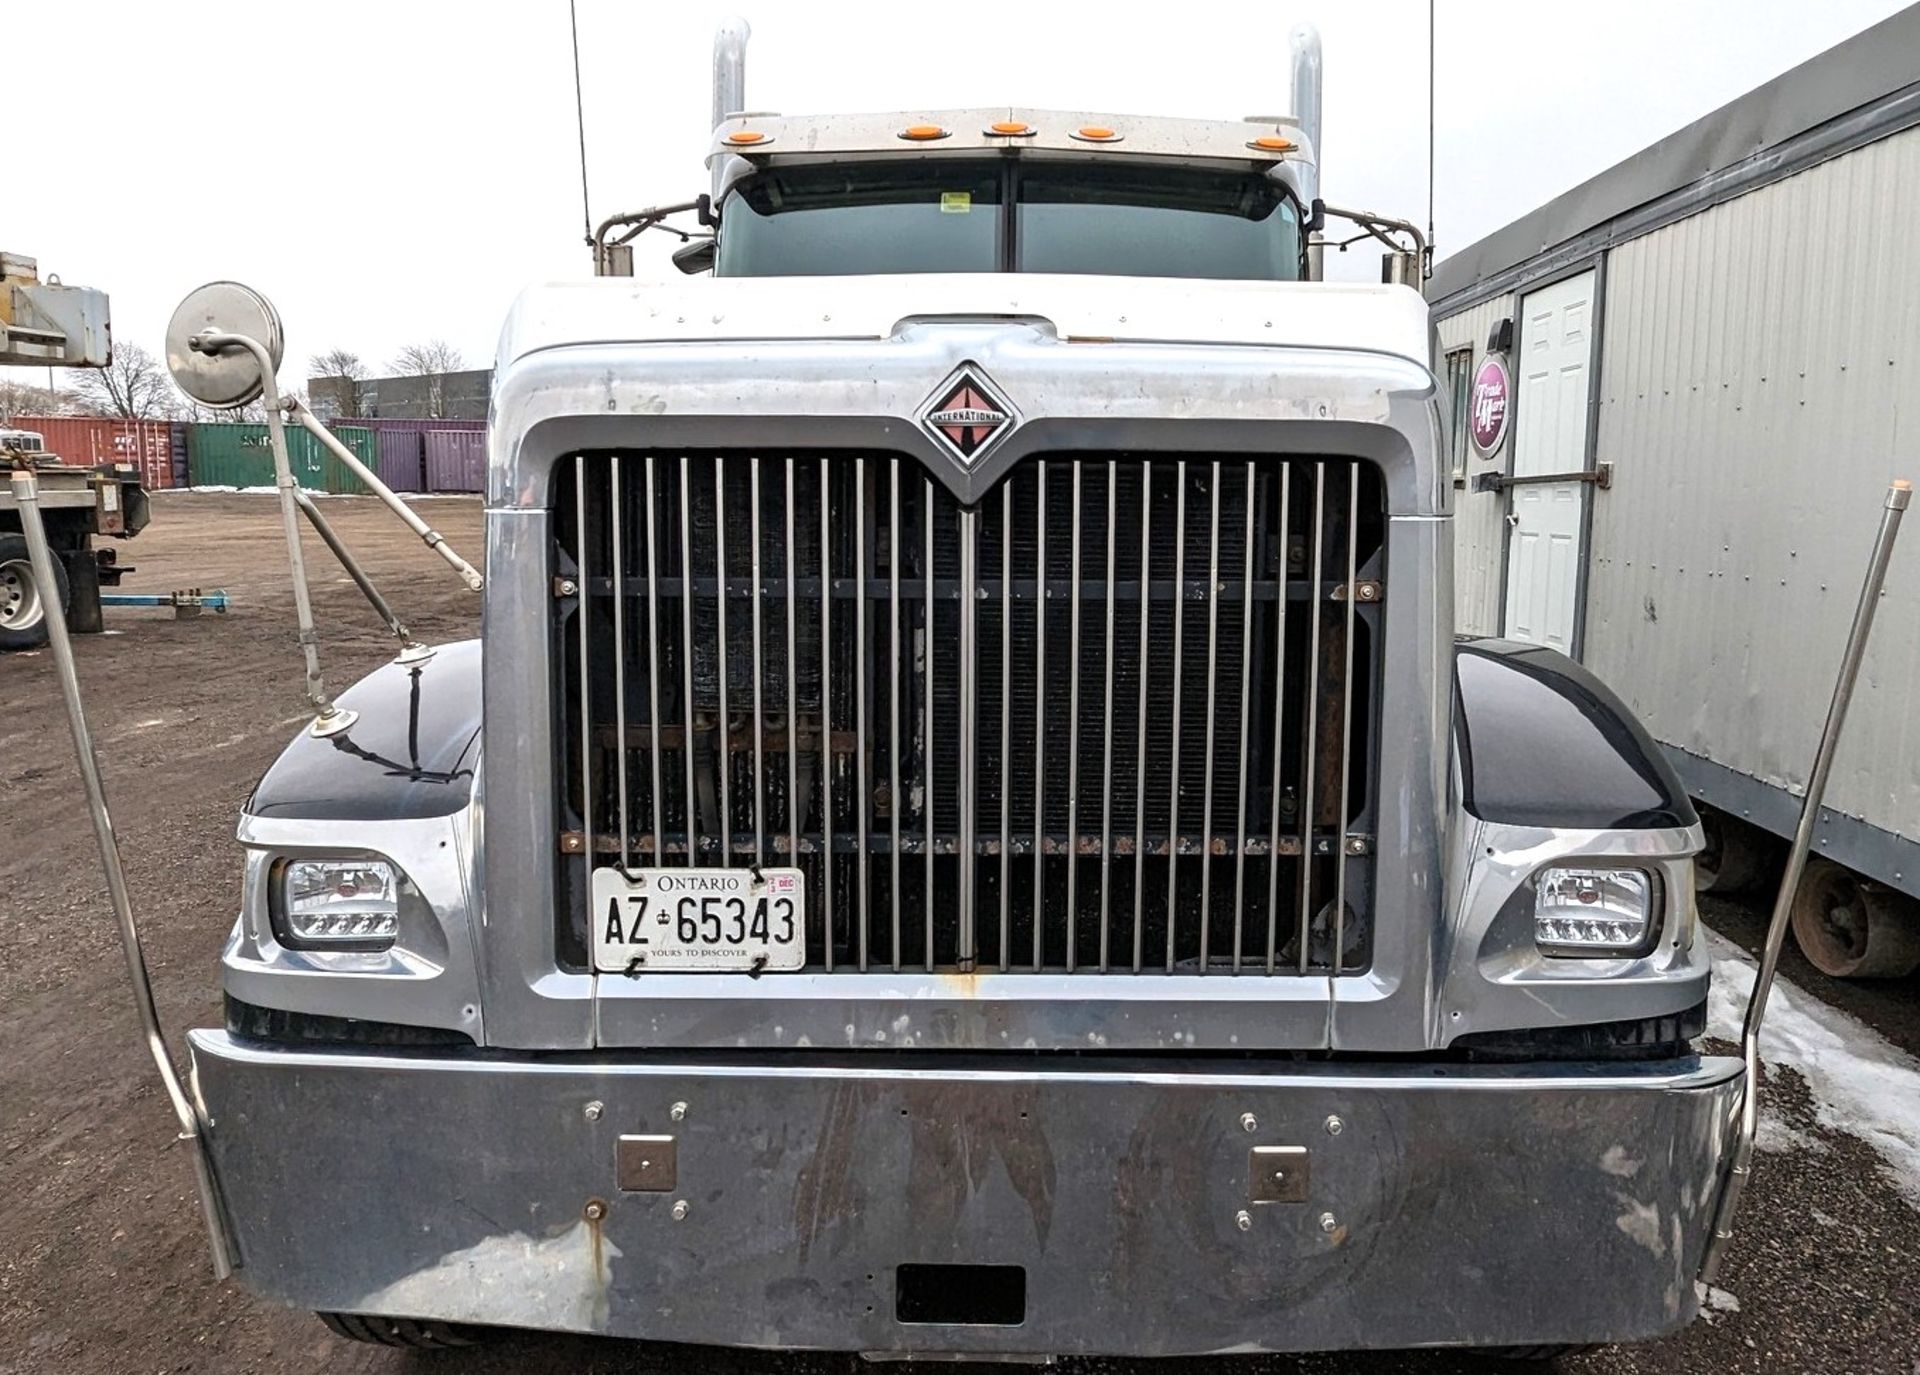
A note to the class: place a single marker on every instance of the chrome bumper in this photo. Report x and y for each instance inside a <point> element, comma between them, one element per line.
<point>1421,1205</point>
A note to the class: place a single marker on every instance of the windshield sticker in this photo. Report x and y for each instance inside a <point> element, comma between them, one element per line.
<point>956,202</point>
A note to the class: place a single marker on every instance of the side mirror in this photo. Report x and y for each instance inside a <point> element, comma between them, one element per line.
<point>696,255</point>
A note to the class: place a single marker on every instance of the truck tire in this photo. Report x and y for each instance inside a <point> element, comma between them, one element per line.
<point>414,1334</point>
<point>1851,928</point>
<point>1735,858</point>
<point>23,615</point>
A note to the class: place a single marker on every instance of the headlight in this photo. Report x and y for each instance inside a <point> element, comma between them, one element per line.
<point>339,904</point>
<point>1593,911</point>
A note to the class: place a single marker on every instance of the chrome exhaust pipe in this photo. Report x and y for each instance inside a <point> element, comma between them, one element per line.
<point>730,68</point>
<point>1305,41</point>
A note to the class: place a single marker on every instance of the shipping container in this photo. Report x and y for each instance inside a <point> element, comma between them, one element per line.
<point>85,440</point>
<point>1713,349</point>
<point>178,448</point>
<point>400,447</point>
<point>456,460</point>
<point>221,455</point>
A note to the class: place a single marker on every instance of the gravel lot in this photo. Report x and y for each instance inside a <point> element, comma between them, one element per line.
<point>103,1269</point>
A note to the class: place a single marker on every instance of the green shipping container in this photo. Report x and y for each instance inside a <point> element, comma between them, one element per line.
<point>238,456</point>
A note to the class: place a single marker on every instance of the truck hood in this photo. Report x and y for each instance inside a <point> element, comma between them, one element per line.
<point>1388,320</point>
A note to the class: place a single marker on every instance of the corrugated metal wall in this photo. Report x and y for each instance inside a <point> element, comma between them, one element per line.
<point>226,455</point>
<point>1478,524</point>
<point>86,440</point>
<point>1760,385</point>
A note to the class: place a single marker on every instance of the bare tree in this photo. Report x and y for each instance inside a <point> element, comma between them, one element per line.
<point>343,372</point>
<point>134,386</point>
<point>432,360</point>
<point>18,397</point>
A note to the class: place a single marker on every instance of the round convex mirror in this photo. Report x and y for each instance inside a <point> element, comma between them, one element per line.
<point>230,377</point>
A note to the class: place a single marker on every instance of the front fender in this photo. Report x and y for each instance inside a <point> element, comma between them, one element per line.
<point>402,783</point>
<point>1550,767</point>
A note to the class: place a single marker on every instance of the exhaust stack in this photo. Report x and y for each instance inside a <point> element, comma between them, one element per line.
<point>1306,97</point>
<point>730,68</point>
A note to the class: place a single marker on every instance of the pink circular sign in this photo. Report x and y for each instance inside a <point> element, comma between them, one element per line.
<point>1491,404</point>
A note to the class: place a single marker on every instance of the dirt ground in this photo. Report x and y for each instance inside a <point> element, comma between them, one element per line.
<point>102,1266</point>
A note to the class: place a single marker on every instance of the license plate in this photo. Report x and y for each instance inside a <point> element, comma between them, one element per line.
<point>718,919</point>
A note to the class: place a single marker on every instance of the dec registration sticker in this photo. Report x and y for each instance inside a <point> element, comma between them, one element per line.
<point>716,919</point>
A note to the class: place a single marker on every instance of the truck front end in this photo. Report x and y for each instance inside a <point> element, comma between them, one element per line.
<point>969,831</point>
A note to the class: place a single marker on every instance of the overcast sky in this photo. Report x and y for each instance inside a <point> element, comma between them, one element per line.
<point>389,172</point>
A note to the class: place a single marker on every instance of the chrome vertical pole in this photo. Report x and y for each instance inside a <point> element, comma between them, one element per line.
<point>1179,669</point>
<point>1898,495</point>
<point>328,718</point>
<point>617,552</point>
<point>1040,721</point>
<point>725,734</point>
<point>686,656</point>
<point>969,743</point>
<point>1206,756</point>
<point>827,760</point>
<point>1073,735</point>
<point>1106,725</point>
<point>26,492</point>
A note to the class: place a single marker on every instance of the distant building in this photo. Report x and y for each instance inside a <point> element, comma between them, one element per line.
<point>447,396</point>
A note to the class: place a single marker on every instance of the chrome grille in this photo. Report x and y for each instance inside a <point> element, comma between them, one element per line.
<point>1113,718</point>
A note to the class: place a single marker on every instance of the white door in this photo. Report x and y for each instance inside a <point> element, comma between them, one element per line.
<point>1550,436</point>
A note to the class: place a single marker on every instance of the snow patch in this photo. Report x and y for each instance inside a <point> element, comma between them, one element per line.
<point>1862,1084</point>
<point>1714,1302</point>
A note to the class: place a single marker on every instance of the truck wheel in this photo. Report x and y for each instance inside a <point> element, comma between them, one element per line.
<point>23,613</point>
<point>1850,928</point>
<point>415,1334</point>
<point>1735,857</point>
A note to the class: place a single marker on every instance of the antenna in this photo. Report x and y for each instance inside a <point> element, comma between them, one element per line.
<point>580,121</point>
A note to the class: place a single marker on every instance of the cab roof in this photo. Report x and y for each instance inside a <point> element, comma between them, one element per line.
<point>745,143</point>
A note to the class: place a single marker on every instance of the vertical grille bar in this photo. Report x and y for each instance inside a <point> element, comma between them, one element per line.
<point>1106,726</point>
<point>930,793</point>
<point>863,804</point>
<point>1310,737</point>
<point>1240,798</point>
<point>827,756</point>
<point>1073,737</point>
<point>1213,676</point>
<point>893,701</point>
<point>793,686</point>
<point>1282,538</point>
<point>1346,722</point>
<point>654,733</point>
<point>1179,668</point>
<point>620,746</point>
<point>1040,724</point>
<point>583,579</point>
<point>686,654</point>
<point>758,673</point>
<point>966,949</point>
<point>724,735</point>
<point>1006,724</point>
<point>1140,723</point>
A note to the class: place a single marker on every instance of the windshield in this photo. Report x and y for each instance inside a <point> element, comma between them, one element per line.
<point>933,216</point>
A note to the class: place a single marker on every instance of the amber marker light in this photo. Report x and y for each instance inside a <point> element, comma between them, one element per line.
<point>746,137</point>
<point>922,133</point>
<point>1272,144</point>
<point>1096,133</point>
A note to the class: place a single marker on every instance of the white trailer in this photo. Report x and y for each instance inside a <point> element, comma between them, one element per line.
<point>1714,353</point>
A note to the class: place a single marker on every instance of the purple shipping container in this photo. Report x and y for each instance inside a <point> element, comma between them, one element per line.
<point>456,460</point>
<point>399,448</point>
